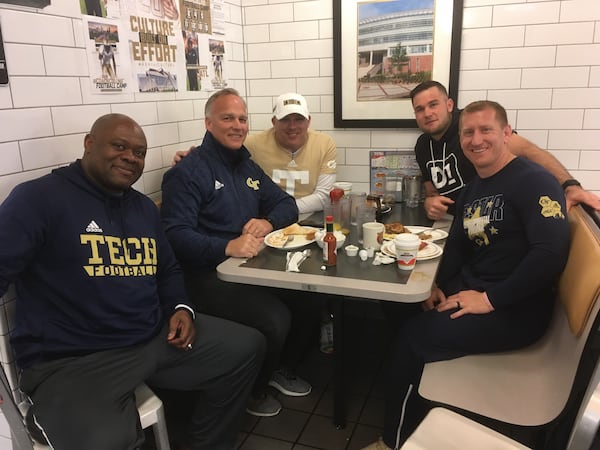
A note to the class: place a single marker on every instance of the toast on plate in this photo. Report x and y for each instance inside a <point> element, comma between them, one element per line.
<point>295,229</point>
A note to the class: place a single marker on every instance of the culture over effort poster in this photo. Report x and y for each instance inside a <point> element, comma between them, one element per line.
<point>154,45</point>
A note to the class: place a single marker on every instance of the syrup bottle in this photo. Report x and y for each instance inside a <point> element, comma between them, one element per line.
<point>329,243</point>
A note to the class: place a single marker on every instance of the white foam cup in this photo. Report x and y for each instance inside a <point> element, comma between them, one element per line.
<point>407,247</point>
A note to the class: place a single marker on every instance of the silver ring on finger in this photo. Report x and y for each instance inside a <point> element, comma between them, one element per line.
<point>189,346</point>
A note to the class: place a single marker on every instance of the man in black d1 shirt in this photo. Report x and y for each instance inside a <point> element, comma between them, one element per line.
<point>445,169</point>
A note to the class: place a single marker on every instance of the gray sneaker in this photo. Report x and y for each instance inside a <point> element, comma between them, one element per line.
<point>264,405</point>
<point>289,384</point>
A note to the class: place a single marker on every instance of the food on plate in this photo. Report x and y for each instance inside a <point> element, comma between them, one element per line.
<point>295,229</point>
<point>422,245</point>
<point>395,228</point>
<point>277,240</point>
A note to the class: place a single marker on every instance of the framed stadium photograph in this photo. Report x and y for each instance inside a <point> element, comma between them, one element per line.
<point>382,49</point>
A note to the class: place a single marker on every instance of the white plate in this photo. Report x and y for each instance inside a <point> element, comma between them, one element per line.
<point>436,235</point>
<point>298,241</point>
<point>431,251</point>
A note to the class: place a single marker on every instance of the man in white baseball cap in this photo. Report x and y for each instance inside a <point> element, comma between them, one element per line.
<point>300,160</point>
<point>290,103</point>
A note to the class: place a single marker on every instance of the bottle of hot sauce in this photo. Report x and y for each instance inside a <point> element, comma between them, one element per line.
<point>329,243</point>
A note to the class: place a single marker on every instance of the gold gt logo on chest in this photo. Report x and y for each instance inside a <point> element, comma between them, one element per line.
<point>252,183</point>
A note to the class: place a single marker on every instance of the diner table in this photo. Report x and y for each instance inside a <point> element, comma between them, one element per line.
<point>350,278</point>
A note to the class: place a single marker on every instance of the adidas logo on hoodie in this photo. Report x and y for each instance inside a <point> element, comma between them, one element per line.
<point>93,228</point>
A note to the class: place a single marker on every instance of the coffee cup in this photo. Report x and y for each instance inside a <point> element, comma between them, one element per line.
<point>407,247</point>
<point>373,235</point>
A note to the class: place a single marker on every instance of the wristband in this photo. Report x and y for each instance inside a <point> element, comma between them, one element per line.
<point>570,182</point>
<point>186,308</point>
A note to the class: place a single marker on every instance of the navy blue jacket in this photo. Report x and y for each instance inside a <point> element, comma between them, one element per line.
<point>93,271</point>
<point>208,198</point>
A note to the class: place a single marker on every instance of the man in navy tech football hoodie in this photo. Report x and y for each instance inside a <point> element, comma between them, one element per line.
<point>101,306</point>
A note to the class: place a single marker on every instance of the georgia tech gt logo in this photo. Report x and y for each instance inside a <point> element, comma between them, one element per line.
<point>252,183</point>
<point>550,208</point>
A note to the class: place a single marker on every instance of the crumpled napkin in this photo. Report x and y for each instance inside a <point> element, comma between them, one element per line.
<point>294,259</point>
<point>380,258</point>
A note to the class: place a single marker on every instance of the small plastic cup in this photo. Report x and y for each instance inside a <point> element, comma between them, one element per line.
<point>407,247</point>
<point>351,250</point>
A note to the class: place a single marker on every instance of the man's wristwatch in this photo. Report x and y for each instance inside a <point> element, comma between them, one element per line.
<point>570,182</point>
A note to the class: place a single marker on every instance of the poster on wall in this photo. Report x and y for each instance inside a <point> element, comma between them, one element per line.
<point>106,54</point>
<point>218,17</point>
<point>99,8</point>
<point>217,55</point>
<point>195,20</point>
<point>157,60</point>
<point>390,164</point>
<point>134,45</point>
<point>155,45</point>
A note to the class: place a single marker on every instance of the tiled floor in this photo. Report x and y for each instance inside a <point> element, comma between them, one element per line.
<point>306,423</point>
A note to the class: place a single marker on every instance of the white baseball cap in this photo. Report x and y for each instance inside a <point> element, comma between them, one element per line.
<point>290,103</point>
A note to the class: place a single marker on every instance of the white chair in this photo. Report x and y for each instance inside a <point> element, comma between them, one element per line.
<point>447,430</point>
<point>14,404</point>
<point>587,422</point>
<point>532,386</point>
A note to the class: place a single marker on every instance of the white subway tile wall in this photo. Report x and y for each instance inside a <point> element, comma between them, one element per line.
<point>541,60</point>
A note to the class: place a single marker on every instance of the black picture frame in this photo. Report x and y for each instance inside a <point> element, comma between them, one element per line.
<point>30,3</point>
<point>3,68</point>
<point>349,112</point>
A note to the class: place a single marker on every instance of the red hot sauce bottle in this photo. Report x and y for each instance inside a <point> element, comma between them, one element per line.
<point>329,243</point>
